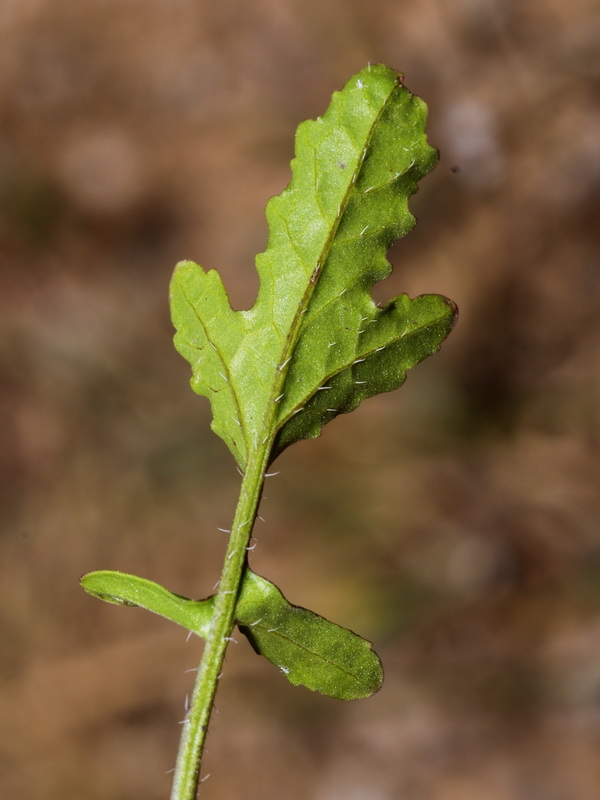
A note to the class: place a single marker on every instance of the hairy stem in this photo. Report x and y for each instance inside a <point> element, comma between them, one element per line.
<point>195,726</point>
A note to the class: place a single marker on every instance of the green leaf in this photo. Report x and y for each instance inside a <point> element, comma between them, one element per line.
<point>314,344</point>
<point>308,649</point>
<point>129,590</point>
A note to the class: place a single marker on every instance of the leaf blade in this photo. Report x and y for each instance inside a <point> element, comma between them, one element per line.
<point>310,650</point>
<point>124,589</point>
<point>353,173</point>
<point>200,311</point>
<point>379,365</point>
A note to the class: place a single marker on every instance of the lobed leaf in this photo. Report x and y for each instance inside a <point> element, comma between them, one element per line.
<point>314,344</point>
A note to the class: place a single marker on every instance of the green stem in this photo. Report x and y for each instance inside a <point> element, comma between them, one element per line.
<point>195,726</point>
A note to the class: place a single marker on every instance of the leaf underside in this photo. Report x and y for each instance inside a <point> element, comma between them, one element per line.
<point>308,649</point>
<point>314,344</point>
<point>123,589</point>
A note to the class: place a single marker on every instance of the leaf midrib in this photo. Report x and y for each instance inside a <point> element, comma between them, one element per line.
<point>294,331</point>
<point>303,647</point>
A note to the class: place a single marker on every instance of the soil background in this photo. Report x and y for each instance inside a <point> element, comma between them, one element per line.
<point>455,523</point>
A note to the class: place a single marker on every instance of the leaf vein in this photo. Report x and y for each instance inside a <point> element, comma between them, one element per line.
<point>365,354</point>
<point>229,379</point>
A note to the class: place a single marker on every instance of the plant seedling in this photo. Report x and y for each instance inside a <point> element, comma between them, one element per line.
<point>313,345</point>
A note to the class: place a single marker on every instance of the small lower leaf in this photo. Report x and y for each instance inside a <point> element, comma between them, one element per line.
<point>310,650</point>
<point>307,648</point>
<point>129,590</point>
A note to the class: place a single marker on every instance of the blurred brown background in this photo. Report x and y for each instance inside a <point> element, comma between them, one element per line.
<point>455,523</point>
